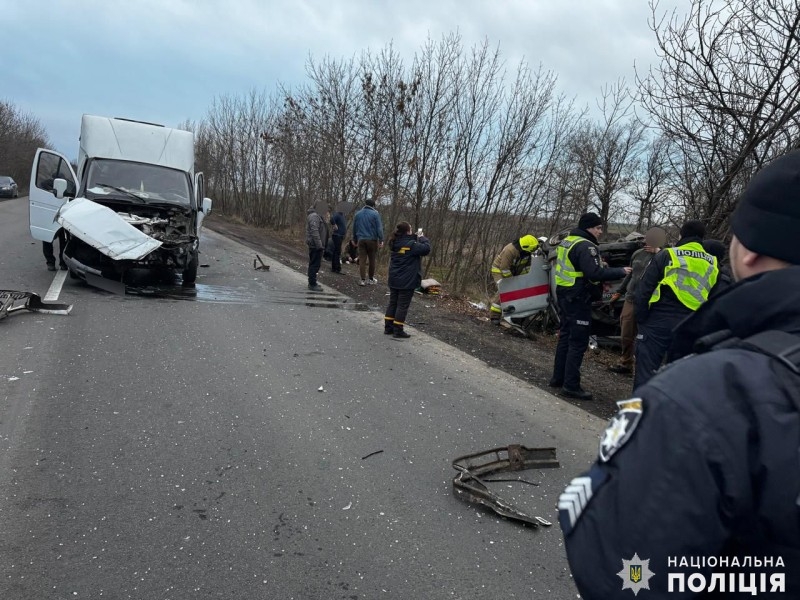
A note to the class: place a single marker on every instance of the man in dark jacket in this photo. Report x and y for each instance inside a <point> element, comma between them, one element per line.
<point>697,482</point>
<point>577,274</point>
<point>676,282</point>
<point>405,275</point>
<point>316,240</point>
<point>339,227</point>
<point>655,239</point>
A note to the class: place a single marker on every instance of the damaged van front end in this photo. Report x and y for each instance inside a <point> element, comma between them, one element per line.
<point>110,241</point>
<point>136,204</point>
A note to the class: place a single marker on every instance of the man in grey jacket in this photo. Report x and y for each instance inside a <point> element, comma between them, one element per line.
<point>316,240</point>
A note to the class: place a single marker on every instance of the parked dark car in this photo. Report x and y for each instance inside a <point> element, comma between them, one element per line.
<point>8,187</point>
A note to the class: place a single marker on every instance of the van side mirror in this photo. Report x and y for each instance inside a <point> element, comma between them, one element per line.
<point>206,206</point>
<point>59,187</point>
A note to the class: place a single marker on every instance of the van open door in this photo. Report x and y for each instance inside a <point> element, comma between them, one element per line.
<point>44,200</point>
<point>203,204</point>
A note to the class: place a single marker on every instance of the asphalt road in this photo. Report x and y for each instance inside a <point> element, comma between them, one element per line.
<point>169,447</point>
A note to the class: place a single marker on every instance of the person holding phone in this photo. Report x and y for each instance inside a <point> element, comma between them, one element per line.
<point>405,275</point>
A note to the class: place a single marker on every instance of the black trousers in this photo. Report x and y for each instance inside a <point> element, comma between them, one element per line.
<point>399,301</point>
<point>652,343</point>
<point>47,248</point>
<point>336,256</point>
<point>575,313</point>
<point>314,262</point>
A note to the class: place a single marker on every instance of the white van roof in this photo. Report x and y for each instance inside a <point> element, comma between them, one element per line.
<point>122,139</point>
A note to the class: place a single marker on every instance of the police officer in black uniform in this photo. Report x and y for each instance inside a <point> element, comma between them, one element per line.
<point>578,273</point>
<point>672,287</point>
<point>698,478</point>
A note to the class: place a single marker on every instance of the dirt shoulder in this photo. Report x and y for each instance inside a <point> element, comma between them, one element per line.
<point>451,320</point>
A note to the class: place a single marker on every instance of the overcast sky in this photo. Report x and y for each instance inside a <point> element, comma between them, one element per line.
<point>165,60</point>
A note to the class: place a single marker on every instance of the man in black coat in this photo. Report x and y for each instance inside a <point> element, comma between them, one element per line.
<point>578,273</point>
<point>697,481</point>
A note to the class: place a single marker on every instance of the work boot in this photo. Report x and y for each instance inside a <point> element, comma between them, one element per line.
<point>315,288</point>
<point>399,334</point>
<point>579,394</point>
<point>51,266</point>
<point>621,369</point>
<point>555,383</point>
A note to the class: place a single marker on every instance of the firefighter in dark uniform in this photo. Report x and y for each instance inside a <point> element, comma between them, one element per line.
<point>697,482</point>
<point>514,259</point>
<point>676,282</point>
<point>578,272</point>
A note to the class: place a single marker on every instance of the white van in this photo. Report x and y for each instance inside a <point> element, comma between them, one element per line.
<point>135,202</point>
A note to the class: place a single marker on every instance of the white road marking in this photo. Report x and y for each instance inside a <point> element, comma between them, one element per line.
<point>55,287</point>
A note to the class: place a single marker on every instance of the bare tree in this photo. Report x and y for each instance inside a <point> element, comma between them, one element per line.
<point>20,135</point>
<point>726,93</point>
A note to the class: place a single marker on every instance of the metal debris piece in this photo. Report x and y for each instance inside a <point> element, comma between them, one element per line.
<point>260,267</point>
<point>470,483</point>
<point>10,302</point>
<point>371,453</point>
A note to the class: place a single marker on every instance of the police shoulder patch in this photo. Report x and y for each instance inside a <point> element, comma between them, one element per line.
<point>575,498</point>
<point>620,428</point>
<point>592,250</point>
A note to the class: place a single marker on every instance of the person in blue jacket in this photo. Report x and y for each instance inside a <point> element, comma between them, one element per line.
<point>697,484</point>
<point>405,276</point>
<point>368,234</point>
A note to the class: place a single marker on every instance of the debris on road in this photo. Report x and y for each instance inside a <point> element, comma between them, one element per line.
<point>321,389</point>
<point>371,454</point>
<point>260,267</point>
<point>349,506</point>
<point>470,483</point>
<point>9,303</point>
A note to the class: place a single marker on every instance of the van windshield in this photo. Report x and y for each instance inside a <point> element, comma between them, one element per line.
<point>136,181</point>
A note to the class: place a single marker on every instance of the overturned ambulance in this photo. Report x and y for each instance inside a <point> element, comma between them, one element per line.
<point>135,202</point>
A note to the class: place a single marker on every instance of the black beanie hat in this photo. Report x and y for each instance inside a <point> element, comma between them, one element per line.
<point>588,221</point>
<point>767,219</point>
<point>693,229</point>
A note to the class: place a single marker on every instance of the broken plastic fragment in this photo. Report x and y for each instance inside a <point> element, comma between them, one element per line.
<point>349,504</point>
<point>321,389</point>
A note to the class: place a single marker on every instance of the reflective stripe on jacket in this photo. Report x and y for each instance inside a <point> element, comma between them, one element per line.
<point>691,274</point>
<point>511,262</point>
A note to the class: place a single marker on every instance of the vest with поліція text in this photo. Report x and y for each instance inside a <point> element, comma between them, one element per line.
<point>691,274</point>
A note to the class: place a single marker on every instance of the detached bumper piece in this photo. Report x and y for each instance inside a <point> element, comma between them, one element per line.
<point>12,301</point>
<point>475,470</point>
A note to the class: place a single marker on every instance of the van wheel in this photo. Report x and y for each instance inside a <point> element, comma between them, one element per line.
<point>190,272</point>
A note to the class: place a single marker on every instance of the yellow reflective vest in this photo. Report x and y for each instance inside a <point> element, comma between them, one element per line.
<point>565,272</point>
<point>691,274</point>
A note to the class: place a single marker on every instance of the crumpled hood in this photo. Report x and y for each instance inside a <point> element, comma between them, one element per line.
<point>102,228</point>
<point>755,304</point>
